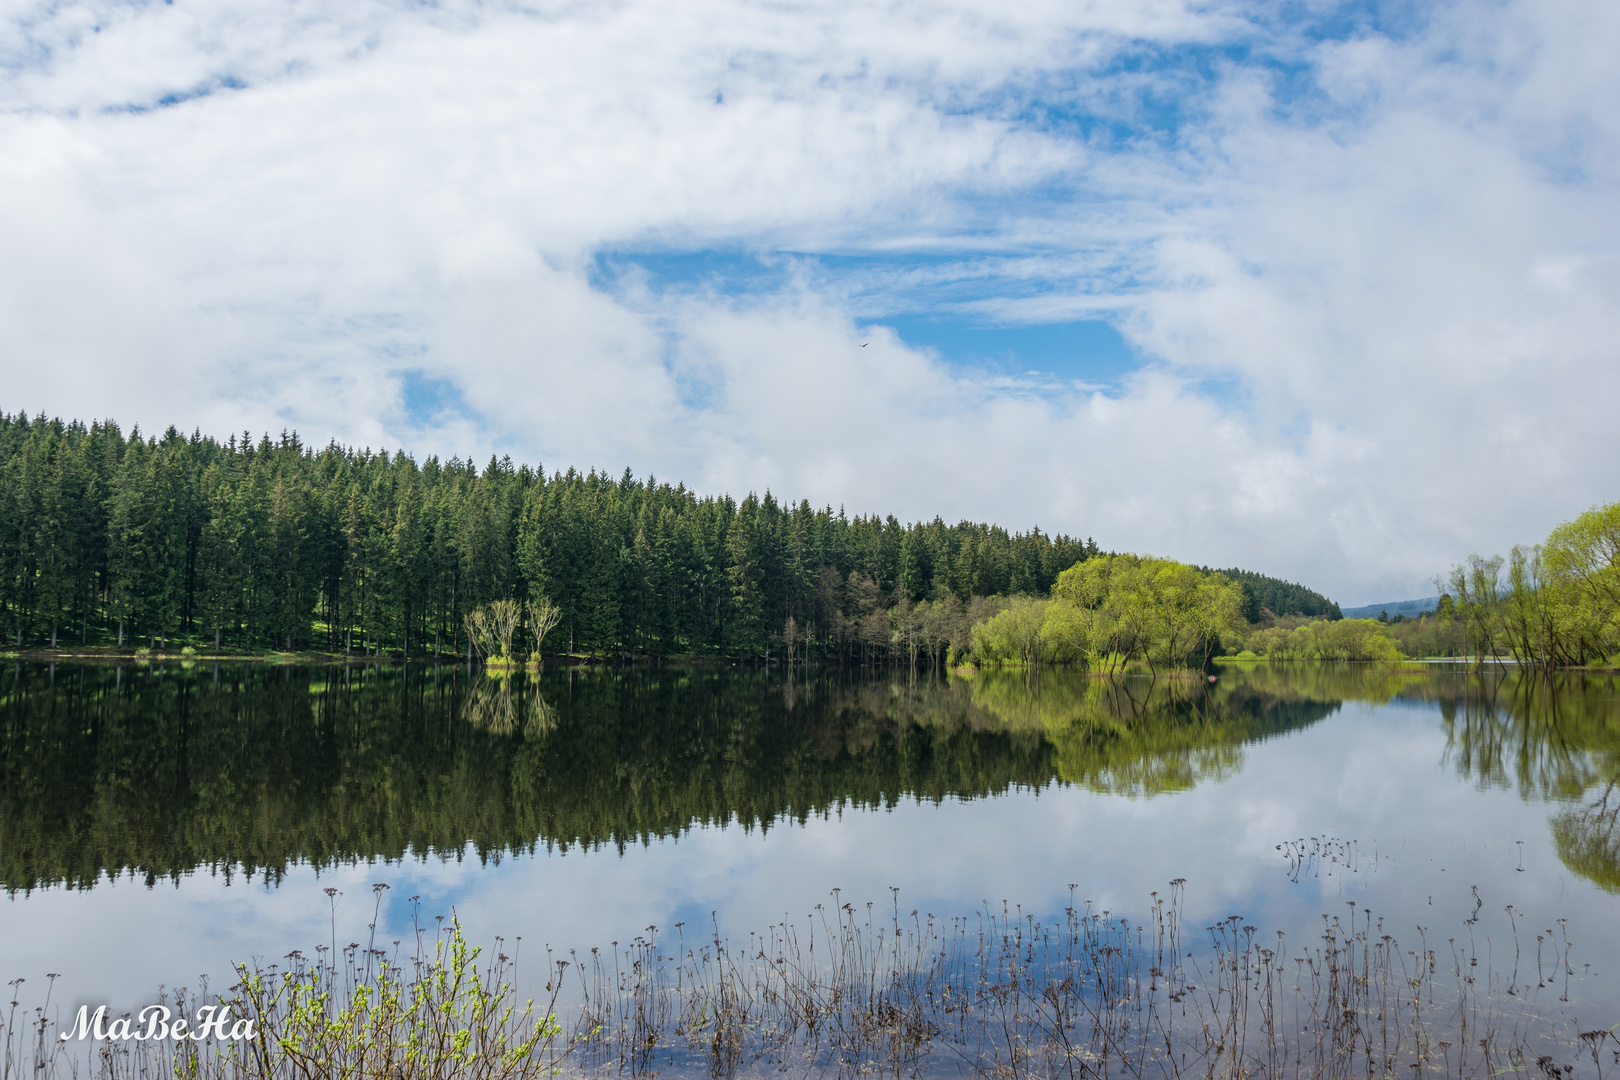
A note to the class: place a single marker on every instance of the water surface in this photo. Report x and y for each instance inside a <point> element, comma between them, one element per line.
<point>157,823</point>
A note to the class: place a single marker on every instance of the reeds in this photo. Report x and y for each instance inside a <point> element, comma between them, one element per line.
<point>1004,994</point>
<point>853,991</point>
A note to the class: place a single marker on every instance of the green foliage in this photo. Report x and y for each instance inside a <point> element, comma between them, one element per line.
<point>1437,633</point>
<point>1141,738</point>
<point>122,540</point>
<point>491,628</point>
<point>1014,634</point>
<point>1559,602</point>
<point>1112,609</point>
<point>1322,639</point>
<point>437,1014</point>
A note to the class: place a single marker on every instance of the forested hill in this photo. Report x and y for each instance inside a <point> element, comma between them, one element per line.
<point>1264,594</point>
<point>274,544</point>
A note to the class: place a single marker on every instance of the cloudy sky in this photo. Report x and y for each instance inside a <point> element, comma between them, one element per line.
<point>1325,290</point>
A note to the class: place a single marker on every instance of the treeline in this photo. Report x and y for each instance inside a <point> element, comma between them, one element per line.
<point>1553,604</point>
<point>1269,598</point>
<point>1549,605</point>
<point>114,539</point>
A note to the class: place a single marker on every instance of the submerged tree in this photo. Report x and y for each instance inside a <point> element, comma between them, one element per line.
<point>1108,611</point>
<point>491,628</point>
<point>543,619</point>
<point>1560,604</point>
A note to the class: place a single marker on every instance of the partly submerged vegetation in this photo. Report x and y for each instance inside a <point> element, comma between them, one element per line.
<point>490,629</point>
<point>1319,639</point>
<point>851,991</point>
<point>1549,605</point>
<point>1553,604</point>
<point>1110,610</point>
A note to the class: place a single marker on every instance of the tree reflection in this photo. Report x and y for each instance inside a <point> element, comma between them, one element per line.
<point>158,771</point>
<point>494,704</point>
<point>1587,839</point>
<point>1143,737</point>
<point>1554,738</point>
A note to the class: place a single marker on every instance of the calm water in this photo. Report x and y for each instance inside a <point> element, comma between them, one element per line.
<point>157,823</point>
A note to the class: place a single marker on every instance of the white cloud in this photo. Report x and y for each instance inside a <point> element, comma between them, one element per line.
<point>1397,264</point>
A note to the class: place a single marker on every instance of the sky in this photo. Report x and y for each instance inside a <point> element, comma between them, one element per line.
<point>1323,290</point>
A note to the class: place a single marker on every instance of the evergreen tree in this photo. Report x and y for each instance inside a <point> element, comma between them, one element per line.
<point>250,544</point>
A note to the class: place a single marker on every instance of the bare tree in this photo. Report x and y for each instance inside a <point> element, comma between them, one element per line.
<point>479,635</point>
<point>543,619</point>
<point>790,634</point>
<point>491,627</point>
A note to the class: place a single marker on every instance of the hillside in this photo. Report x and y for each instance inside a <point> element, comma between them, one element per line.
<point>1393,608</point>
<point>1268,594</point>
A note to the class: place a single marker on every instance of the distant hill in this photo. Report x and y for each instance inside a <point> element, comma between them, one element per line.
<point>1262,594</point>
<point>1408,608</point>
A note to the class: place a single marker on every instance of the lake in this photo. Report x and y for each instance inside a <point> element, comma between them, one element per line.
<point>159,822</point>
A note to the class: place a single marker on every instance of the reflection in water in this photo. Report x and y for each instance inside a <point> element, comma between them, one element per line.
<point>493,705</point>
<point>157,771</point>
<point>1587,839</point>
<point>1141,737</point>
<point>1555,739</point>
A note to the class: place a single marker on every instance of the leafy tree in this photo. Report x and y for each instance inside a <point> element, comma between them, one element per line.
<point>270,543</point>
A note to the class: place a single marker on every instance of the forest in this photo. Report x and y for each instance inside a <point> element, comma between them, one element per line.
<point>1268,597</point>
<point>173,541</point>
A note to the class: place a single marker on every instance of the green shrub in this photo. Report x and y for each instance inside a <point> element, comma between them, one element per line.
<point>437,1015</point>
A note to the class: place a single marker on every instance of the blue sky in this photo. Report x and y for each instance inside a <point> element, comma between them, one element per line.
<point>1308,288</point>
<point>941,316</point>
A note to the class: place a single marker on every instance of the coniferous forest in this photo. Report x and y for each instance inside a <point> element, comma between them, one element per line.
<point>273,544</point>
<point>244,545</point>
